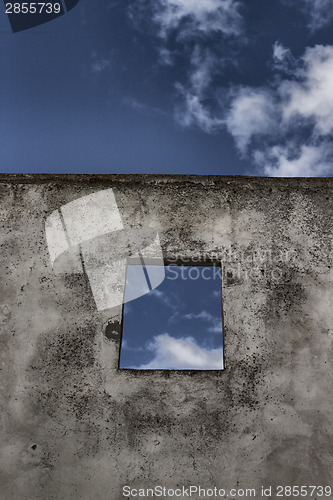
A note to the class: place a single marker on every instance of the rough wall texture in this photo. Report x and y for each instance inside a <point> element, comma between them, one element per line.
<point>73,426</point>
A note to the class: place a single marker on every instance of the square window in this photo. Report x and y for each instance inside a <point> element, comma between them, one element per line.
<point>176,326</point>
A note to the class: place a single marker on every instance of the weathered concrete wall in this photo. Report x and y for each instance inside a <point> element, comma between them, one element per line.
<point>76,427</point>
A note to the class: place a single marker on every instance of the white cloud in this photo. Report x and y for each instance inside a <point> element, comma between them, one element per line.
<point>252,112</point>
<point>288,161</point>
<point>182,353</point>
<point>309,95</point>
<point>287,126</point>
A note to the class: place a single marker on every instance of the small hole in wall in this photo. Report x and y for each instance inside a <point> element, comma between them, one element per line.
<point>177,325</point>
<point>112,330</point>
<point>34,447</point>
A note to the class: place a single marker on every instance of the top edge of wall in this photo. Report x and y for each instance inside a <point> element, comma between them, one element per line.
<point>164,179</point>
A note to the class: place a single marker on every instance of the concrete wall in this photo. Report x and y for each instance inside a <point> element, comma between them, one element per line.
<point>73,426</point>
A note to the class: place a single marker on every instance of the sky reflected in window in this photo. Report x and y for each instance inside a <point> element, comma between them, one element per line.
<point>177,325</point>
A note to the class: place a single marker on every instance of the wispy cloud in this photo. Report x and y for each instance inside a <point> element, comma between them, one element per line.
<point>283,59</point>
<point>204,66</point>
<point>215,324</point>
<point>287,125</point>
<point>216,327</point>
<point>183,30</point>
<point>125,346</point>
<point>204,315</point>
<point>163,297</point>
<point>128,308</point>
<point>318,12</point>
<point>182,353</point>
<point>100,64</point>
<point>189,18</point>
<point>142,107</point>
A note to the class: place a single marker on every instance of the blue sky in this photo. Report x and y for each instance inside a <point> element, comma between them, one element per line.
<point>178,325</point>
<point>171,86</point>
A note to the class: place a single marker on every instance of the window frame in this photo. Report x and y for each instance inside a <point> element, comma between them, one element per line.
<point>186,262</point>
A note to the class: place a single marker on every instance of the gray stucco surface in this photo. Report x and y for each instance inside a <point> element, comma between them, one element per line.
<point>73,426</point>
